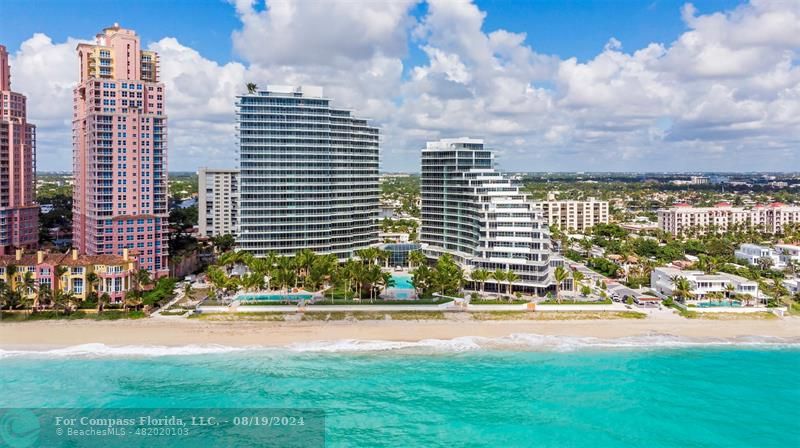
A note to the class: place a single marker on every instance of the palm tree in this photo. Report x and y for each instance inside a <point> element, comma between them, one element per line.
<point>385,256</point>
<point>133,299</point>
<point>348,271</point>
<point>386,281</point>
<point>560,275</point>
<point>499,277</point>
<point>416,257</point>
<point>217,277</point>
<point>714,295</point>
<point>13,299</point>
<point>63,299</point>
<point>730,291</point>
<point>141,278</point>
<point>43,295</point>
<point>59,271</point>
<point>284,273</point>
<point>3,291</point>
<point>368,255</point>
<point>102,301</point>
<point>577,277</point>
<point>421,278</point>
<point>304,259</point>
<point>480,276</point>
<point>780,292</point>
<point>251,88</point>
<point>681,288</point>
<point>373,277</point>
<point>511,277</point>
<point>11,271</point>
<point>28,284</point>
<point>91,281</point>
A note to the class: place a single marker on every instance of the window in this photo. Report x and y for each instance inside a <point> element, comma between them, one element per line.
<point>77,286</point>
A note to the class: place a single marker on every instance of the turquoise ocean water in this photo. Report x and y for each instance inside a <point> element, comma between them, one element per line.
<point>451,393</point>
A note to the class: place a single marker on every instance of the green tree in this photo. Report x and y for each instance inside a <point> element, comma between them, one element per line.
<point>511,277</point>
<point>64,300</point>
<point>44,296</point>
<point>499,276</point>
<point>141,278</point>
<point>577,278</point>
<point>560,275</point>
<point>480,276</point>
<point>224,243</point>
<point>416,258</point>
<point>102,302</point>
<point>681,288</point>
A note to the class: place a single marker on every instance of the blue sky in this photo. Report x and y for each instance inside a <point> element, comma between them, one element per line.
<point>564,27</point>
<point>653,84</point>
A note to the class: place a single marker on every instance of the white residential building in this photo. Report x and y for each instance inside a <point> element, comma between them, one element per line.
<point>308,174</point>
<point>218,198</point>
<point>788,253</point>
<point>479,216</point>
<point>792,284</point>
<point>574,215</point>
<point>661,280</point>
<point>753,253</point>
<point>770,218</point>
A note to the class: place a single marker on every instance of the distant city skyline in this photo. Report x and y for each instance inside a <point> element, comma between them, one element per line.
<point>593,86</point>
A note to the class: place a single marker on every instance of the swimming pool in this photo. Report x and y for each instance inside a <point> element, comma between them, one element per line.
<point>402,281</point>
<point>294,297</point>
<point>724,303</point>
<point>403,288</point>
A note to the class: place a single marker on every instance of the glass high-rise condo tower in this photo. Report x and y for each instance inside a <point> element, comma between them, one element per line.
<point>479,216</point>
<point>308,174</point>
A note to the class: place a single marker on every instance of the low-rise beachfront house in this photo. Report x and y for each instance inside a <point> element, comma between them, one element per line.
<point>788,253</point>
<point>792,284</point>
<point>662,280</point>
<point>71,272</point>
<point>753,254</point>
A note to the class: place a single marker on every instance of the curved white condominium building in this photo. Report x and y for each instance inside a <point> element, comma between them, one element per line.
<point>480,217</point>
<point>308,174</point>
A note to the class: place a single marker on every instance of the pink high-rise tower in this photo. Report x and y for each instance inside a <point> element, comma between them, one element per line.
<point>119,139</point>
<point>19,214</point>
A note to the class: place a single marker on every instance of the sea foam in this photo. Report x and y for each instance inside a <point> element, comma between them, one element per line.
<point>514,342</point>
<point>97,350</point>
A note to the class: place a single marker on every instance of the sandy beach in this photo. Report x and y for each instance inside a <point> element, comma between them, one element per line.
<point>179,332</point>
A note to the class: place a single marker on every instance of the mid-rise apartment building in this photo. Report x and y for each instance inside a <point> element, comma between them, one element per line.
<point>19,214</point>
<point>119,129</point>
<point>218,191</point>
<point>308,174</point>
<point>574,216</point>
<point>768,218</point>
<point>479,216</point>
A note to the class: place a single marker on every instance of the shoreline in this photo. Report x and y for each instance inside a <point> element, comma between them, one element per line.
<point>44,335</point>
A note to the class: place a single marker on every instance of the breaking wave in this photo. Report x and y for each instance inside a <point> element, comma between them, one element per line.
<point>517,342</point>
